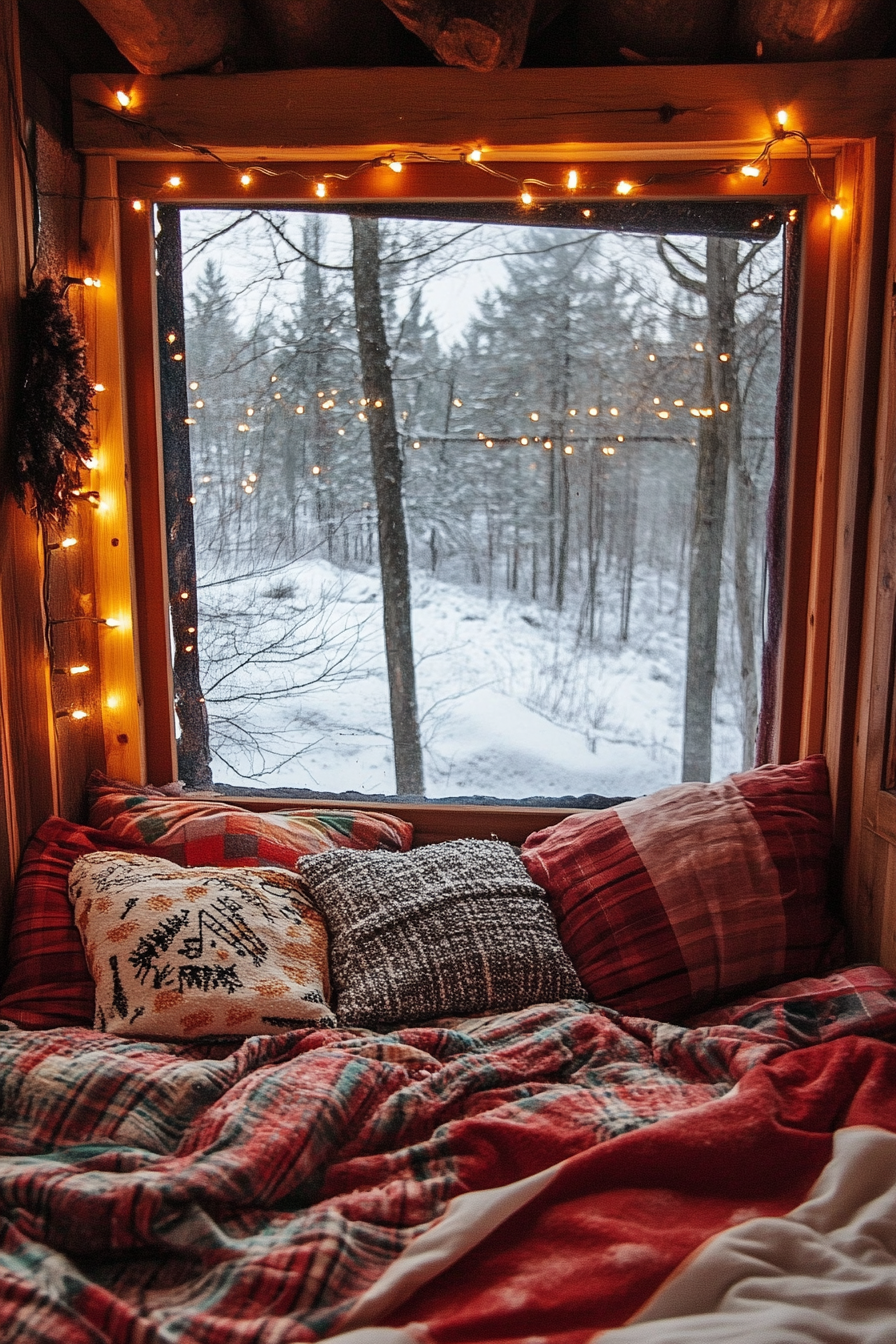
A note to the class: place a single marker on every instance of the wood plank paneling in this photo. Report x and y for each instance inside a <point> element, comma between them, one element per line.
<point>871,193</point>
<point>138,301</point>
<point>808,383</point>
<point>204,183</point>
<point>870,887</point>
<point>27,746</point>
<point>114,598</point>
<point>275,114</point>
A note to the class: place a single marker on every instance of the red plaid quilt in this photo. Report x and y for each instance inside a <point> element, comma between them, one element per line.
<point>250,1195</point>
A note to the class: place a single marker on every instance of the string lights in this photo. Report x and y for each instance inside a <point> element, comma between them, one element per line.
<point>572,181</point>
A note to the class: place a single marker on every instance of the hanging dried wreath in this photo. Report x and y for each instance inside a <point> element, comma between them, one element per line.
<point>52,435</point>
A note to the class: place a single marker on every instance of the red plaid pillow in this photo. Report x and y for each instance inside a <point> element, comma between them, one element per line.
<point>199,832</point>
<point>671,903</point>
<point>48,984</point>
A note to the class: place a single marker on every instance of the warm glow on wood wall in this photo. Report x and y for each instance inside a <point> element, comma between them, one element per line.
<point>119,691</point>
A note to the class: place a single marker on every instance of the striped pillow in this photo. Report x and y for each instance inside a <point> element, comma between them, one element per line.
<point>48,983</point>
<point>674,902</point>
<point>206,832</point>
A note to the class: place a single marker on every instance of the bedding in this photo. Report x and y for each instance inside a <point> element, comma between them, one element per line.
<point>672,903</point>
<point>199,832</point>
<point>179,953</point>
<point>47,982</point>
<point>453,928</point>
<point>282,1189</point>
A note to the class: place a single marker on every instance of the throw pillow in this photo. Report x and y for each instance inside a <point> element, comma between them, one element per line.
<point>178,954</point>
<point>47,982</point>
<point>206,831</point>
<point>671,903</point>
<point>456,928</point>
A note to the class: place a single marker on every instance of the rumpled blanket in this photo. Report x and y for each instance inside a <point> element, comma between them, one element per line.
<point>158,1194</point>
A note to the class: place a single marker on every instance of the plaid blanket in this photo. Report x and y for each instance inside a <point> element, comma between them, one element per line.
<point>157,1194</point>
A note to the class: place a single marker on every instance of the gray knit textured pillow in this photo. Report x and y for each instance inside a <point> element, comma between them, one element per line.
<point>452,929</point>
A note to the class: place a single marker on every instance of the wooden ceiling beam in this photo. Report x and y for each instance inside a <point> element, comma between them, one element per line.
<point>355,113</point>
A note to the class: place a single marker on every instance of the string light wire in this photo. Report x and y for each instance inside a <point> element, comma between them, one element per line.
<point>571,182</point>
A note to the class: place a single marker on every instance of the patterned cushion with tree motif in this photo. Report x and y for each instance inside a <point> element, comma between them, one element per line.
<point>185,953</point>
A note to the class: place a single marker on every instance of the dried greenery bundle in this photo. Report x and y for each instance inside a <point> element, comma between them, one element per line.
<point>52,432</point>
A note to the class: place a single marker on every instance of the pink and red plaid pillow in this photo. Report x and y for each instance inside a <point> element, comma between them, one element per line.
<point>48,984</point>
<point>671,903</point>
<point>204,832</point>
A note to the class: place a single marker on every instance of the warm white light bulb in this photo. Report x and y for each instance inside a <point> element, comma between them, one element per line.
<point>624,188</point>
<point>395,165</point>
<point>750,170</point>
<point>781,117</point>
<point>245,179</point>
<point>572,179</point>
<point>837,210</point>
<point>137,205</point>
<point>526,197</point>
<point>124,99</point>
<point>174,180</point>
<point>320,188</point>
<point>474,156</point>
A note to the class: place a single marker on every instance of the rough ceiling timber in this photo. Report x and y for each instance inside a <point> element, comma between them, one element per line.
<point>168,36</point>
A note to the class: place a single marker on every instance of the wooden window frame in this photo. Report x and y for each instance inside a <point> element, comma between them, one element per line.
<point>663,121</point>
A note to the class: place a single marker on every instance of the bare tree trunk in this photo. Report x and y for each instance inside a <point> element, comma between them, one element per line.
<point>717,435</point>
<point>744,516</point>
<point>385,450</point>
<point>561,394</point>
<point>193,747</point>
<point>630,525</point>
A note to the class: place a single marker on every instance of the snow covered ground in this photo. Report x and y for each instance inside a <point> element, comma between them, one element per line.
<point>509,705</point>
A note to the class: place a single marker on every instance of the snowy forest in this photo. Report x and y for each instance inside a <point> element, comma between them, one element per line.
<point>478,509</point>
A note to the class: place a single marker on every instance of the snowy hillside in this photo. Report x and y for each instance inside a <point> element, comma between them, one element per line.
<point>499,683</point>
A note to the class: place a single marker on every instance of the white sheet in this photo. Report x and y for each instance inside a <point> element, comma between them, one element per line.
<point>823,1274</point>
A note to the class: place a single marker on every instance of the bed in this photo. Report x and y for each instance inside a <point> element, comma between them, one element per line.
<point>547,1172</point>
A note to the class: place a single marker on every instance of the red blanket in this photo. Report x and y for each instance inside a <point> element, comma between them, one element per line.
<point>159,1194</point>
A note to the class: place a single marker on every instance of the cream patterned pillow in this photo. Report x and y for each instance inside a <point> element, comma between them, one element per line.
<point>182,953</point>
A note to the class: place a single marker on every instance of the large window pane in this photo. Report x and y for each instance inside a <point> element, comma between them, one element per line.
<point>584,427</point>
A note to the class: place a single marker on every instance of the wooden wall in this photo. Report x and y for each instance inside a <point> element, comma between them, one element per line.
<point>43,760</point>
<point>27,745</point>
<point>871,872</point>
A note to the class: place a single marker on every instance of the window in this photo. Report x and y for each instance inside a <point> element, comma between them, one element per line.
<point>562,404</point>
